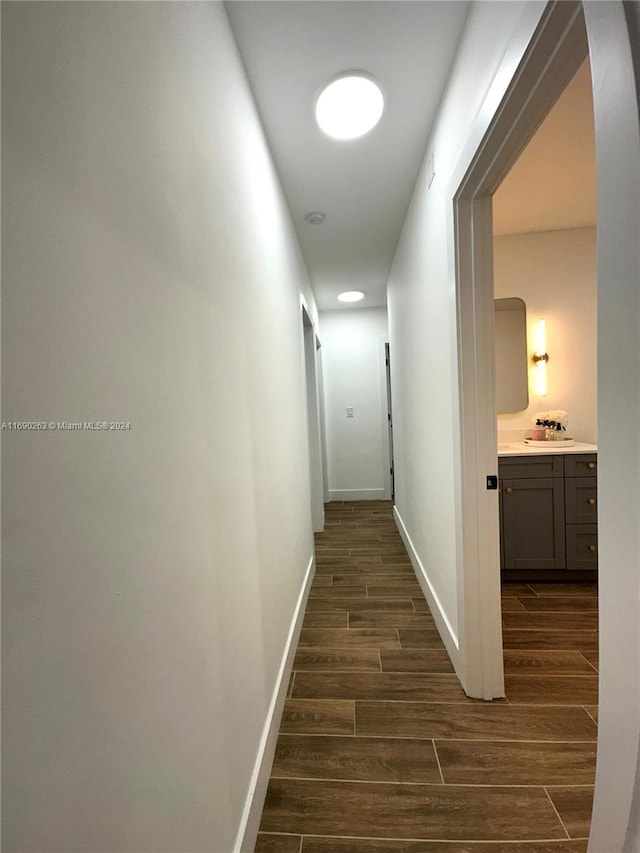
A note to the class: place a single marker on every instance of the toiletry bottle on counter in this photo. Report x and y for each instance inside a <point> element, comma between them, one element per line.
<point>538,432</point>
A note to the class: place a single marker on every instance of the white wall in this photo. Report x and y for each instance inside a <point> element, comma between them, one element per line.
<point>554,272</point>
<point>421,296</point>
<point>151,275</point>
<point>353,370</point>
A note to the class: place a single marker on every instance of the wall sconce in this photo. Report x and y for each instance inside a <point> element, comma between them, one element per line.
<point>540,358</point>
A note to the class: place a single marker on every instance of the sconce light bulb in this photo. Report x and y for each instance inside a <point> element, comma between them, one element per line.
<point>541,337</point>
<point>540,359</point>
<point>540,379</point>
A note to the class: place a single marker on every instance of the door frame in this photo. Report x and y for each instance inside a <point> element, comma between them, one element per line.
<point>554,54</point>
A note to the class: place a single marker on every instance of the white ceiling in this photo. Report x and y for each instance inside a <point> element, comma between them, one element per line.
<point>290,49</point>
<point>553,183</point>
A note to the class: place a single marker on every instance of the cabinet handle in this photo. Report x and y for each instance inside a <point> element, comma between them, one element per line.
<point>592,547</point>
<point>591,501</point>
<point>591,465</point>
<point>508,490</point>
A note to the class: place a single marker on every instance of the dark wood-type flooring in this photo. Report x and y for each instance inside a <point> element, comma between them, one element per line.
<point>380,750</point>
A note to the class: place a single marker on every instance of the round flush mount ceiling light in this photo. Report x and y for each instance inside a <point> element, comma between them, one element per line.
<point>351,296</point>
<point>350,106</point>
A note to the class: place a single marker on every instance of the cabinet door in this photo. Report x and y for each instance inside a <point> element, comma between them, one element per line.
<point>533,523</point>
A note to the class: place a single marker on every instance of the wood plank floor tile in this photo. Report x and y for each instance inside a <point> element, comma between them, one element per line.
<point>315,604</point>
<point>476,720</point>
<point>380,686</point>
<point>518,589</point>
<point>574,806</point>
<point>552,621</point>
<point>416,660</point>
<point>396,560</point>
<point>382,526</point>
<point>592,711</point>
<point>564,589</point>
<point>593,657</point>
<point>420,604</point>
<point>395,551</point>
<point>354,573</point>
<point>379,619</point>
<point>585,640</point>
<point>394,590</point>
<point>322,660</point>
<point>409,811</point>
<point>324,551</point>
<point>365,576</point>
<point>510,603</point>
<point>356,758</point>
<point>336,534</point>
<point>327,619</point>
<point>278,843</point>
<point>318,716</point>
<point>469,762</point>
<point>318,844</point>
<point>525,662</point>
<point>348,562</point>
<point>352,591</point>
<point>549,689</point>
<point>321,580</point>
<point>561,603</point>
<point>342,638</point>
<point>411,638</point>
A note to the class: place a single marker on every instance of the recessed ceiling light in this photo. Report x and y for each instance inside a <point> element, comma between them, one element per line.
<point>349,106</point>
<point>315,218</point>
<point>351,296</point>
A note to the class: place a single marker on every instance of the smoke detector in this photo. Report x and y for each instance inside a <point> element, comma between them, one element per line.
<point>315,218</point>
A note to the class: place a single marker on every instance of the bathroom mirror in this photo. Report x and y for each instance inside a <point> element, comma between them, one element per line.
<point>512,386</point>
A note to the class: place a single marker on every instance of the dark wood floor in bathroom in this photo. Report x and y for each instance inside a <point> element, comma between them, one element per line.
<point>380,751</point>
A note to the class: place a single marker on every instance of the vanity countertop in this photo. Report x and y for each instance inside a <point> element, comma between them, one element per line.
<point>519,448</point>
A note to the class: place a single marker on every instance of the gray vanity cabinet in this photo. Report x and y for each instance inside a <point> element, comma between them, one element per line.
<point>548,516</point>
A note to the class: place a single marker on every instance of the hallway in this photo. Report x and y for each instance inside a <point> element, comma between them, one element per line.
<point>380,749</point>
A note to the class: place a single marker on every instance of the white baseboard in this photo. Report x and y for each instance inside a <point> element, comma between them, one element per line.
<point>248,831</point>
<point>357,495</point>
<point>445,629</point>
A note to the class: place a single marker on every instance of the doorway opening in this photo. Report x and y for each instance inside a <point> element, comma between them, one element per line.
<point>545,269</point>
<point>313,386</point>
<point>387,363</point>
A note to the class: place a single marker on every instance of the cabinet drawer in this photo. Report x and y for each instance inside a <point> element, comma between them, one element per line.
<point>582,546</point>
<point>581,465</point>
<point>581,494</point>
<point>526,467</point>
